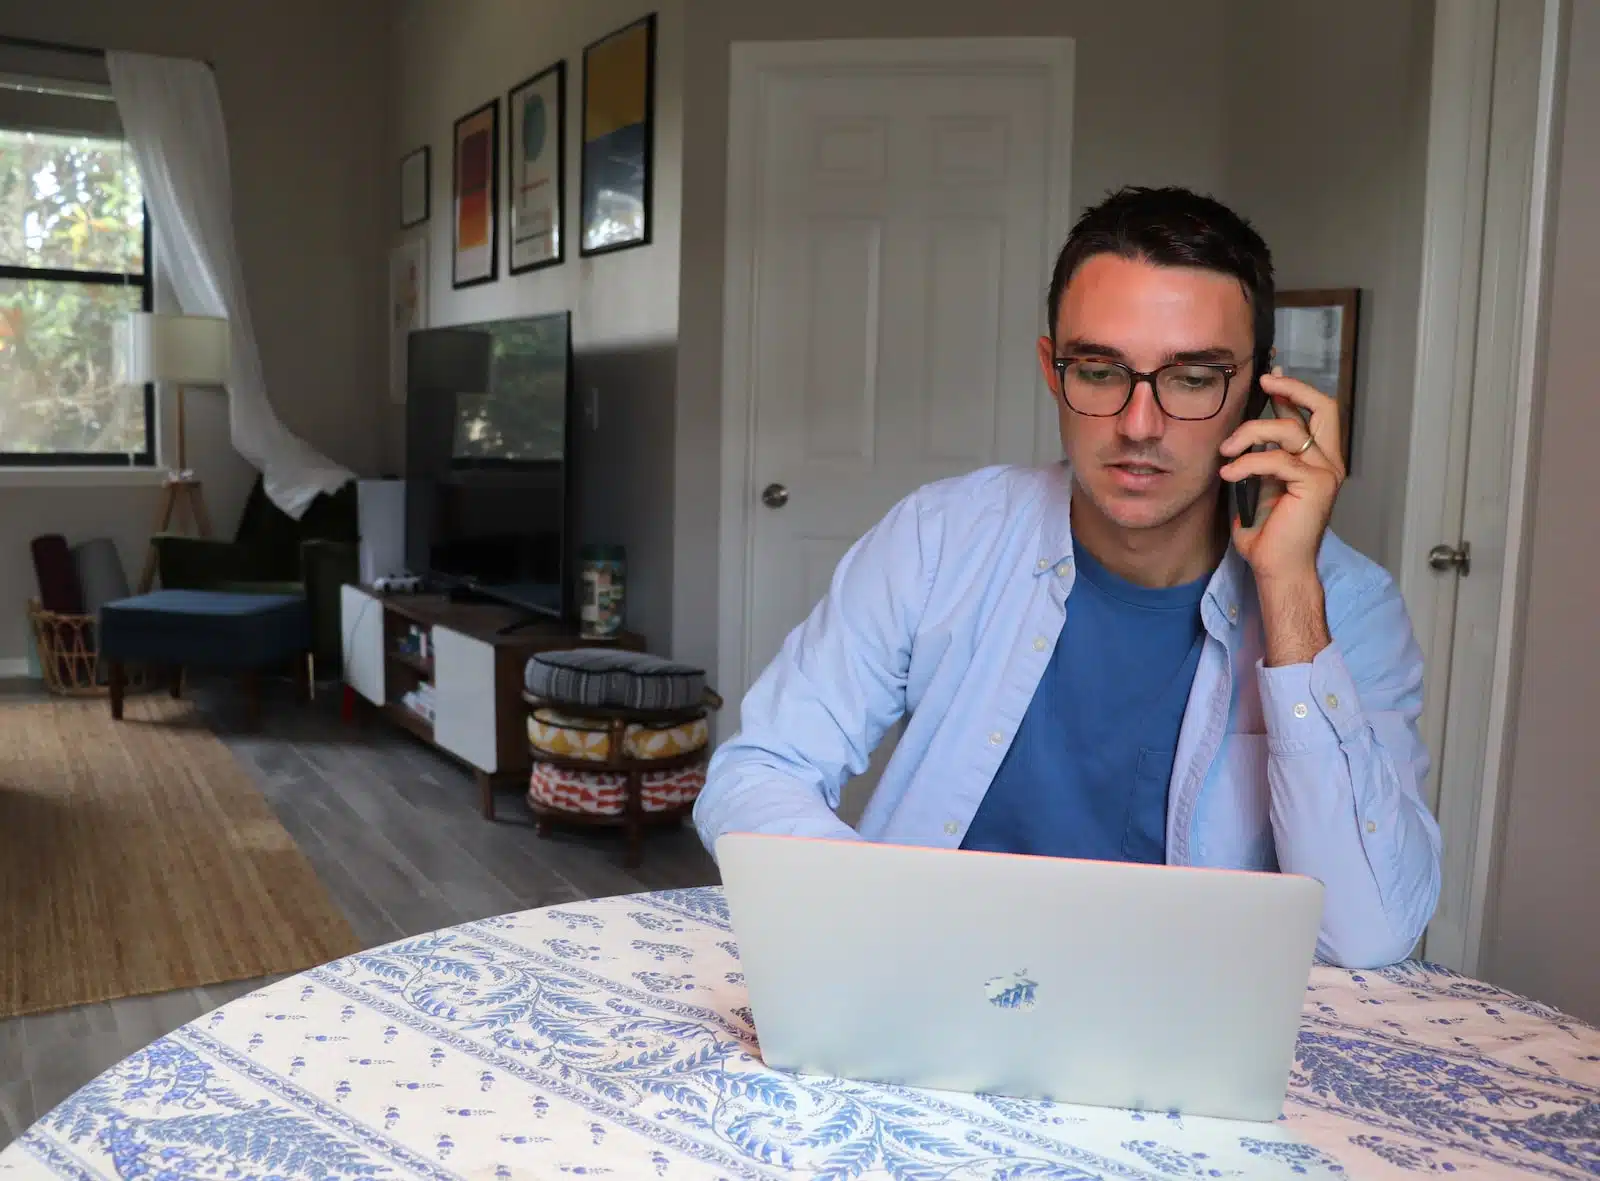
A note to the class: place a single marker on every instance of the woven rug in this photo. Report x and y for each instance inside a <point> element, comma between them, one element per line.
<point>139,857</point>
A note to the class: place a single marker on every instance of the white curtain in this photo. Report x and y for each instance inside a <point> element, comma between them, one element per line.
<point>173,119</point>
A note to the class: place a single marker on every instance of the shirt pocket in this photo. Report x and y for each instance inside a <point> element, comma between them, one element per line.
<point>1236,809</point>
<point>1144,836</point>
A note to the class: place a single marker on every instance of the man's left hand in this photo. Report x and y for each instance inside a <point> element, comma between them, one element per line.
<point>1299,483</point>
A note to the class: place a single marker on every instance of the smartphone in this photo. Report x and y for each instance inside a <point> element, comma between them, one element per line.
<point>1247,492</point>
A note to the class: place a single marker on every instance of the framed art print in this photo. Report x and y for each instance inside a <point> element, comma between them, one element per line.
<point>414,177</point>
<point>618,134</point>
<point>536,151</point>
<point>475,195</point>
<point>1314,337</point>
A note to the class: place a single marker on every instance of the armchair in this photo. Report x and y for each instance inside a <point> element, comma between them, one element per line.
<point>272,553</point>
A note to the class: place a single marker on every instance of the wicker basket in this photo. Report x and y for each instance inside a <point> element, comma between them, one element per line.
<point>67,656</point>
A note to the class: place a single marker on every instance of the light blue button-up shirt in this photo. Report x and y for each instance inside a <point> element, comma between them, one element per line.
<point>946,614</point>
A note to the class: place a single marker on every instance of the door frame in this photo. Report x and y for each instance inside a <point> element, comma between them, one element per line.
<point>1452,345</point>
<point>751,63</point>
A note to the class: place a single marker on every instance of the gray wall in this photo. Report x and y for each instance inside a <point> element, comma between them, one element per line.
<point>454,55</point>
<point>1543,935</point>
<point>303,86</point>
<point>1327,154</point>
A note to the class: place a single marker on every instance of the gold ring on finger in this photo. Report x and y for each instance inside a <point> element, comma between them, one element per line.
<point>1306,446</point>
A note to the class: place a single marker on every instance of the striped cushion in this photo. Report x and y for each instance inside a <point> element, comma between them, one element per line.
<point>605,678</point>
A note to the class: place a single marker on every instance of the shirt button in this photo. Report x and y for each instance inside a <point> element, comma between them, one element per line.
<point>1333,700</point>
<point>1062,569</point>
<point>1044,563</point>
<point>1300,710</point>
<point>1040,643</point>
<point>951,827</point>
<point>1372,826</point>
<point>996,738</point>
<point>1233,613</point>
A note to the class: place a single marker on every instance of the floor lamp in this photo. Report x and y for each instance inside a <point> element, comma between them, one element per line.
<point>186,351</point>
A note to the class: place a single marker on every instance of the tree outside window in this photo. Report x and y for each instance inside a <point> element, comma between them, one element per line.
<point>74,260</point>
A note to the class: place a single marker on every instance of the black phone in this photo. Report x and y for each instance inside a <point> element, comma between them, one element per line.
<point>1247,492</point>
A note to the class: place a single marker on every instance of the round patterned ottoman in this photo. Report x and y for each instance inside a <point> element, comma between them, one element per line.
<point>601,759</point>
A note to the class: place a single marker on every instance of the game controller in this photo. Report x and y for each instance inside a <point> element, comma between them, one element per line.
<point>397,584</point>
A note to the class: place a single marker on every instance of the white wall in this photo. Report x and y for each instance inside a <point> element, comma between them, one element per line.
<point>303,86</point>
<point>1326,152</point>
<point>454,55</point>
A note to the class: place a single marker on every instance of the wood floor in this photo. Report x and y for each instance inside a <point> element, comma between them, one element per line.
<point>393,831</point>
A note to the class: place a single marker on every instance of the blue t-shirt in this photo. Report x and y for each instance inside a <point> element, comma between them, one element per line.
<point>1087,772</point>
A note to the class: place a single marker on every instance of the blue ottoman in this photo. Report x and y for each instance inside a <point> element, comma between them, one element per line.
<point>205,629</point>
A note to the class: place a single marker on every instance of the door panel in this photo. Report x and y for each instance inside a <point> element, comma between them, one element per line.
<point>839,394</point>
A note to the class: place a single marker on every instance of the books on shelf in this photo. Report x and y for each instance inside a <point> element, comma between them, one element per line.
<point>420,701</point>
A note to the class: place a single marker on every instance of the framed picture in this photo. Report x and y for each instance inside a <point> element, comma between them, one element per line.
<point>618,139</point>
<point>1315,339</point>
<point>536,154</point>
<point>415,173</point>
<point>475,195</point>
<point>408,306</point>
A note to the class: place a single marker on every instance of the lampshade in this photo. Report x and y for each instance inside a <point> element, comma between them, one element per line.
<point>191,350</point>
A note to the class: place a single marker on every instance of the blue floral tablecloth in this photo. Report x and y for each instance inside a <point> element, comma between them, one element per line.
<point>613,1038</point>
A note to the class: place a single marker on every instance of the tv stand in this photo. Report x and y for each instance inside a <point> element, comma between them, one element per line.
<point>476,654</point>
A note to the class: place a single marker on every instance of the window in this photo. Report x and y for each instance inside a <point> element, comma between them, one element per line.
<point>74,260</point>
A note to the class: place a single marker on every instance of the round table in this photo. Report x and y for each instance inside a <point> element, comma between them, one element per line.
<point>613,1038</point>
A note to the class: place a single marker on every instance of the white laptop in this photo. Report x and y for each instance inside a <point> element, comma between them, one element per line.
<point>1120,985</point>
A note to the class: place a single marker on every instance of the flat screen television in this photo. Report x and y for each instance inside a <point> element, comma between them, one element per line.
<point>489,460</point>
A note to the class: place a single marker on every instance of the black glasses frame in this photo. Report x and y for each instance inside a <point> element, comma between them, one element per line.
<point>1229,372</point>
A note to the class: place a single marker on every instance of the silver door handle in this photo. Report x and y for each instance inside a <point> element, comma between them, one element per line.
<point>774,496</point>
<point>1448,557</point>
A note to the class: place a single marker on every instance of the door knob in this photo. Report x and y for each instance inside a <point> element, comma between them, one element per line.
<point>1448,557</point>
<point>774,496</point>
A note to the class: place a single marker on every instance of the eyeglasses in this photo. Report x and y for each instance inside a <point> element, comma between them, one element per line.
<point>1103,389</point>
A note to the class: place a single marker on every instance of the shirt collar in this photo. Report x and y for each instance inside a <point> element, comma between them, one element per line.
<point>1055,531</point>
<point>1225,592</point>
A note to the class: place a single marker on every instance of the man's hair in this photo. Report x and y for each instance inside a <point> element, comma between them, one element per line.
<point>1172,227</point>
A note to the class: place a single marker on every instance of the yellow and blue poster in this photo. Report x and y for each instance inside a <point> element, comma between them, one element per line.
<point>618,98</point>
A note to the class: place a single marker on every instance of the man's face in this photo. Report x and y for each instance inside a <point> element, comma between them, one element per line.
<point>1140,468</point>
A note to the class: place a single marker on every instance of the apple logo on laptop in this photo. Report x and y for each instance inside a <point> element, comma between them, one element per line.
<point>1016,991</point>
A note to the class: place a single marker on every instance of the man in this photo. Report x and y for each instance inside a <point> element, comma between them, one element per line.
<point>1098,660</point>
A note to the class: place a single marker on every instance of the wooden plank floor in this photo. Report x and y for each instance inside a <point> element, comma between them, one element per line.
<point>393,831</point>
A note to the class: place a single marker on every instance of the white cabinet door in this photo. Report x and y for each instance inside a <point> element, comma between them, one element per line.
<point>361,629</point>
<point>463,687</point>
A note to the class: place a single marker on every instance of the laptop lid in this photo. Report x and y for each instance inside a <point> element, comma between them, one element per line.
<point>1153,987</point>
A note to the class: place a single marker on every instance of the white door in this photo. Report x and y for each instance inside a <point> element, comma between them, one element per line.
<point>1466,486</point>
<point>892,221</point>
